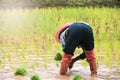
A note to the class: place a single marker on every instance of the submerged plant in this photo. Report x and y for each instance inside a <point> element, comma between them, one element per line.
<point>21,71</point>
<point>58,57</point>
<point>35,77</point>
<point>77,77</point>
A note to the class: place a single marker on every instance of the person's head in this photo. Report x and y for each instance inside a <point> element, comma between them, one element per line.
<point>60,30</point>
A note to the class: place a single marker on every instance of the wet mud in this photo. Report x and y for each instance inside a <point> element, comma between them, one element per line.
<point>52,73</point>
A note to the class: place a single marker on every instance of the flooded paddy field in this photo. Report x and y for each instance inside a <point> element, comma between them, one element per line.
<point>45,66</point>
<point>27,40</point>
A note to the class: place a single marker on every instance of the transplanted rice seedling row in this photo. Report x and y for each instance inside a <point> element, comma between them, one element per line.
<point>22,28</point>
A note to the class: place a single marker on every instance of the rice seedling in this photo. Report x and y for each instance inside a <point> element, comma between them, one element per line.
<point>77,77</point>
<point>35,64</point>
<point>58,57</point>
<point>57,63</point>
<point>0,63</point>
<point>9,57</point>
<point>37,51</point>
<point>45,63</point>
<point>35,77</point>
<point>21,71</point>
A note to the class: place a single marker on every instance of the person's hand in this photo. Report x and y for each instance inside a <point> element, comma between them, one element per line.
<point>81,56</point>
<point>71,63</point>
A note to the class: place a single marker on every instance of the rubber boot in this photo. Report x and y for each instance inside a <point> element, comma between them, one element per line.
<point>92,61</point>
<point>66,59</point>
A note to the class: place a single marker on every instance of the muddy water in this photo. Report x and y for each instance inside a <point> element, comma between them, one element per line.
<point>51,71</point>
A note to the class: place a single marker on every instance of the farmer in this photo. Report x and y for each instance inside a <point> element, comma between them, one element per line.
<point>71,36</point>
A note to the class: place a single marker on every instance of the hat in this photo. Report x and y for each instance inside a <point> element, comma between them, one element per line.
<point>60,30</point>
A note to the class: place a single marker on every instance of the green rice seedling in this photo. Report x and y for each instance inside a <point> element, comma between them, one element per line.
<point>37,51</point>
<point>84,63</point>
<point>0,63</point>
<point>45,63</point>
<point>23,55</point>
<point>77,77</point>
<point>109,58</point>
<point>9,57</point>
<point>58,57</point>
<point>57,63</point>
<point>35,77</point>
<point>35,65</point>
<point>21,71</point>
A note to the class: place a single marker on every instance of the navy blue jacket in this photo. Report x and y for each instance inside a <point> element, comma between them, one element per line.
<point>78,35</point>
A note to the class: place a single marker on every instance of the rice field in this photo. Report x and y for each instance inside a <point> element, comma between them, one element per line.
<point>27,35</point>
